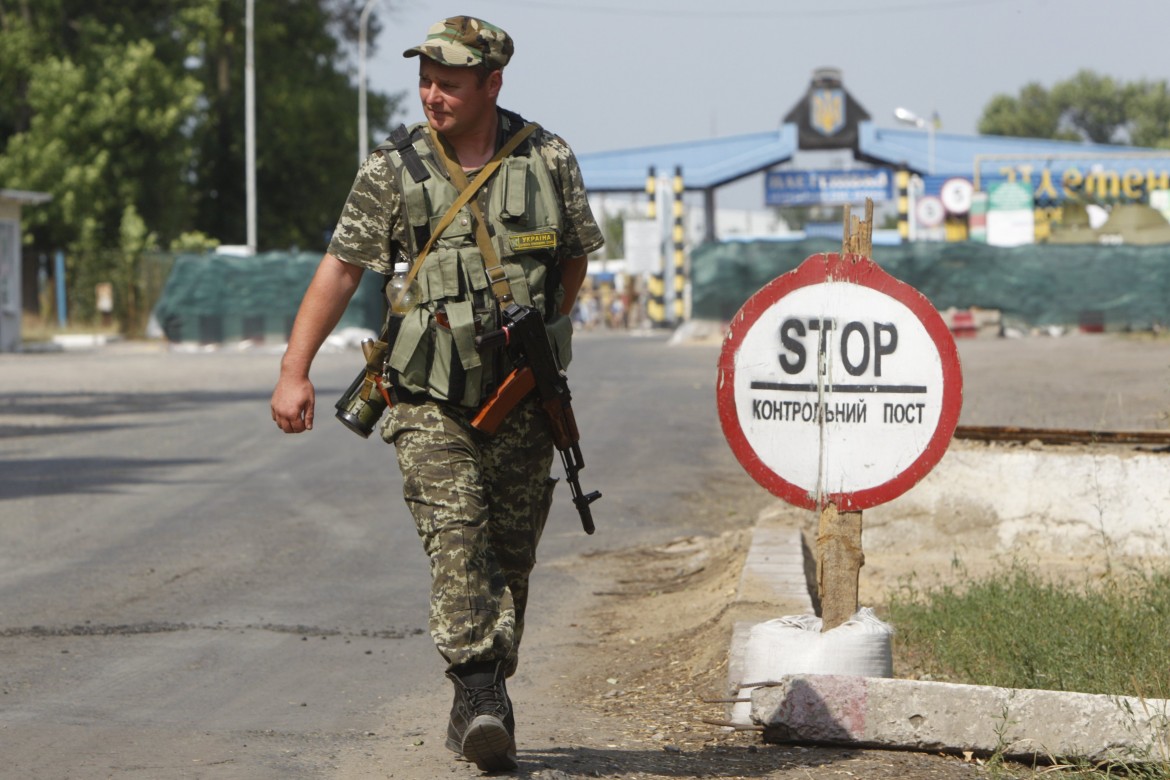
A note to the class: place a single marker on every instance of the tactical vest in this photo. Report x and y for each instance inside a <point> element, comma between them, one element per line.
<point>434,353</point>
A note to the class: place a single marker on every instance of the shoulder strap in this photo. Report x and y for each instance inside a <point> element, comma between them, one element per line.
<point>498,278</point>
<point>468,192</point>
<point>401,142</point>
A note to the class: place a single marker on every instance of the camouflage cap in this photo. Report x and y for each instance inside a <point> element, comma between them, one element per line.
<point>464,42</point>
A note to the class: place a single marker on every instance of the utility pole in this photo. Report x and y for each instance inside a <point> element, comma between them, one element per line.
<point>250,122</point>
<point>363,127</point>
<point>907,116</point>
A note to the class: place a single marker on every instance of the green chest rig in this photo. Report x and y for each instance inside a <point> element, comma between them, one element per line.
<point>481,244</point>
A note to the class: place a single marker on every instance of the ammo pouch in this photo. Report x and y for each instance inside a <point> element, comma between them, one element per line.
<point>436,356</point>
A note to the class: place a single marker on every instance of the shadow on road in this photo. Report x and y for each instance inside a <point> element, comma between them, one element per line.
<point>741,761</point>
<point>25,477</point>
<point>709,762</point>
<point>97,405</point>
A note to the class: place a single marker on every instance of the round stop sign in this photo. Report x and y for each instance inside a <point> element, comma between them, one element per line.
<point>838,384</point>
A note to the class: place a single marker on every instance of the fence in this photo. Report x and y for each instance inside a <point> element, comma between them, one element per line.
<point>1110,287</point>
<point>218,298</point>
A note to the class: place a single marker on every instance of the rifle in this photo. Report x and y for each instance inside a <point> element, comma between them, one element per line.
<point>525,337</point>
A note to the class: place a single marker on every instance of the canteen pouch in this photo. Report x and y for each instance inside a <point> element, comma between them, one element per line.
<point>365,400</point>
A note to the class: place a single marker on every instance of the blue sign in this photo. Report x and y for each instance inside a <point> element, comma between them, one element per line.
<point>813,188</point>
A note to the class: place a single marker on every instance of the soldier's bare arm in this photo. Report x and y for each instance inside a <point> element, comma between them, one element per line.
<point>572,276</point>
<point>329,292</point>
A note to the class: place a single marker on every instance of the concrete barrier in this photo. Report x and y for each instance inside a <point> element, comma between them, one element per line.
<point>984,720</point>
<point>1116,496</point>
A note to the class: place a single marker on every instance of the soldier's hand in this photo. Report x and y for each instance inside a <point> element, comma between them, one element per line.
<point>293,401</point>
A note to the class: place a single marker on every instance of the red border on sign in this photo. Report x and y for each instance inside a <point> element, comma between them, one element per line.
<point>942,211</point>
<point>967,185</point>
<point>860,270</point>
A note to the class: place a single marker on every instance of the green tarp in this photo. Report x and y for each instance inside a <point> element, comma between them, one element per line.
<point>220,298</point>
<point>1118,286</point>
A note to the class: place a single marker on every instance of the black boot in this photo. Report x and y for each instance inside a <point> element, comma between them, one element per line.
<point>482,725</point>
<point>454,741</point>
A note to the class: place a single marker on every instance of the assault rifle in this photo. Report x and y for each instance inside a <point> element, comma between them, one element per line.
<point>525,337</point>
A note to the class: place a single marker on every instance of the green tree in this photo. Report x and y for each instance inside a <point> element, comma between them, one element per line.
<point>1034,114</point>
<point>614,228</point>
<point>18,51</point>
<point>306,107</point>
<point>1094,106</point>
<point>1148,103</point>
<point>140,104</point>
<point>1086,107</point>
<point>103,135</point>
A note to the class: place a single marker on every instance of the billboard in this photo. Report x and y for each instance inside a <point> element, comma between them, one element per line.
<point>813,188</point>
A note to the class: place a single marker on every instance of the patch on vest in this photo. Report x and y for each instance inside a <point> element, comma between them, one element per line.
<point>526,242</point>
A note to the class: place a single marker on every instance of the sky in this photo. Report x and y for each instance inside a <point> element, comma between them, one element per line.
<point>608,74</point>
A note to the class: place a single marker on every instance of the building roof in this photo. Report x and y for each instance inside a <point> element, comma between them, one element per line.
<point>964,155</point>
<point>705,164</point>
<point>713,162</point>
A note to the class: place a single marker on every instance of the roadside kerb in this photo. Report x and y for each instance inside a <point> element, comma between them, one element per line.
<point>773,574</point>
<point>909,714</point>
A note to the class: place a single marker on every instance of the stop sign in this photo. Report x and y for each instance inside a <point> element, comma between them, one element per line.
<point>838,384</point>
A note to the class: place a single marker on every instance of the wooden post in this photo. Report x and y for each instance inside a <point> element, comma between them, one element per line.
<point>839,562</point>
<point>839,554</point>
<point>858,234</point>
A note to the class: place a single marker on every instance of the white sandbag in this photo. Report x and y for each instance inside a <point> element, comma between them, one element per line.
<point>795,645</point>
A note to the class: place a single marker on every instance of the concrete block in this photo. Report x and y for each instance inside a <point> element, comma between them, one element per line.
<point>740,632</point>
<point>908,714</point>
<point>1058,499</point>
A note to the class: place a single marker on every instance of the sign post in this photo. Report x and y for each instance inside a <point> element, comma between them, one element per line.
<point>839,389</point>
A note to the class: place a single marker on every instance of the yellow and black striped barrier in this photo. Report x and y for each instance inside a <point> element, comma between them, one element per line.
<point>656,283</point>
<point>678,240</point>
<point>902,183</point>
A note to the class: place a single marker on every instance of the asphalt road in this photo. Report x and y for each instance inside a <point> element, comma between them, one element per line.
<point>185,592</point>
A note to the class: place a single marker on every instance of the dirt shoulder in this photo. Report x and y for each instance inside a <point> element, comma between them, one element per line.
<point>637,701</point>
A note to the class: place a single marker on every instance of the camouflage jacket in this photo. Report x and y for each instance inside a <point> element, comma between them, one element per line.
<point>539,216</point>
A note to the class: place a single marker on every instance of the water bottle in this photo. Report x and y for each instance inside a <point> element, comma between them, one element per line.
<point>402,297</point>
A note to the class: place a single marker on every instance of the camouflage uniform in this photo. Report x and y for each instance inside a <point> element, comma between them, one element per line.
<point>371,232</point>
<point>479,502</point>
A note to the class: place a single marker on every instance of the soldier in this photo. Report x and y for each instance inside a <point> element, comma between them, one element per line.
<point>521,234</point>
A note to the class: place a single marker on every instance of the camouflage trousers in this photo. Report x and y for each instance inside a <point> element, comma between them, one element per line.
<point>479,504</point>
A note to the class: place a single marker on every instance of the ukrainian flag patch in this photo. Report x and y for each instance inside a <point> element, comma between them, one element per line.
<point>539,239</point>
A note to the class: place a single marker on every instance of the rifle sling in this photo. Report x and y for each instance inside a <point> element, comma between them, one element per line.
<point>467,195</point>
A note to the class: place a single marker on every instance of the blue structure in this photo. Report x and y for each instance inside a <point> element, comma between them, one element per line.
<point>1097,170</point>
<point>829,118</point>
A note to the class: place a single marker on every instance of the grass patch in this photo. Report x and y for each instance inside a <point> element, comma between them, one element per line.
<point>34,329</point>
<point>1019,629</point>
